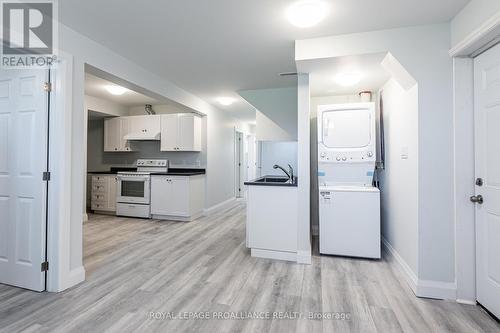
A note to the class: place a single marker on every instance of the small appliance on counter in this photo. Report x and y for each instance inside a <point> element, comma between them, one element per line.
<point>134,188</point>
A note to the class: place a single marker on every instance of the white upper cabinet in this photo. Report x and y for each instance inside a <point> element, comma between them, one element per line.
<point>180,132</point>
<point>114,131</point>
<point>144,127</point>
<point>169,129</point>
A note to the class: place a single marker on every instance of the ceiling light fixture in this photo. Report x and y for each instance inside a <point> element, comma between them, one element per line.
<point>348,79</point>
<point>225,100</point>
<point>116,90</point>
<point>306,13</point>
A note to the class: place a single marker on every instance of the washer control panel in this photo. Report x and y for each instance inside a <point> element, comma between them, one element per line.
<point>346,157</point>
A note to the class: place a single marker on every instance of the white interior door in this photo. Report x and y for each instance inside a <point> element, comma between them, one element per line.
<point>23,159</point>
<point>487,145</point>
<point>252,157</point>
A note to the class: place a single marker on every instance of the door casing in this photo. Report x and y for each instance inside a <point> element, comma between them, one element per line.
<point>464,156</point>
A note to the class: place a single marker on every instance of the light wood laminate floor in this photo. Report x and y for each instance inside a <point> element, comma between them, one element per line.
<point>137,266</point>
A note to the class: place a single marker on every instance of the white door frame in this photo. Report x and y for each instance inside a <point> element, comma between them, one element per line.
<point>238,158</point>
<point>61,275</point>
<point>463,114</point>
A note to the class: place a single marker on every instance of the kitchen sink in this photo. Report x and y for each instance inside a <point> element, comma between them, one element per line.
<point>272,180</point>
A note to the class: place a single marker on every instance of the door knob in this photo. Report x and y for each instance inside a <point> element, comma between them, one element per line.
<point>477,199</point>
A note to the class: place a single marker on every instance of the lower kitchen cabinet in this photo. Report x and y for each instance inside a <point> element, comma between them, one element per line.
<point>103,193</point>
<point>178,198</point>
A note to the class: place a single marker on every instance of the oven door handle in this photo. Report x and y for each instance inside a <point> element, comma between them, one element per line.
<point>134,178</point>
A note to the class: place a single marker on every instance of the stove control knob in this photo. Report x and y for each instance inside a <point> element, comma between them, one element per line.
<point>344,158</point>
<point>338,158</point>
<point>370,154</point>
<point>322,155</point>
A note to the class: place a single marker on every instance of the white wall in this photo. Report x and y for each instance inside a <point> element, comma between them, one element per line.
<point>399,181</point>
<point>423,51</point>
<point>159,109</point>
<point>277,113</point>
<point>220,163</point>
<point>105,106</point>
<point>268,130</point>
<point>471,17</point>
<point>77,51</point>
<point>281,153</point>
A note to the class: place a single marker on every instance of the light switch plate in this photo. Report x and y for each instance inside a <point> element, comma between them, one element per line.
<point>404,153</point>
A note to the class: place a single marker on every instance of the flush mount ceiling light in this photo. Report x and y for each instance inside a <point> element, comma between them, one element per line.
<point>348,79</point>
<point>225,100</point>
<point>306,13</point>
<point>116,90</point>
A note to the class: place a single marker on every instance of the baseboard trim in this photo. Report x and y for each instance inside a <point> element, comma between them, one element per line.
<point>408,273</point>
<point>466,301</point>
<point>176,217</point>
<point>75,277</point>
<point>277,255</point>
<point>221,205</point>
<point>436,289</point>
<point>315,230</point>
<point>304,257</point>
<point>422,288</point>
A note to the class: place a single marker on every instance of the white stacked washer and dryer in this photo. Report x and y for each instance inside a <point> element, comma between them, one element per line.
<point>349,205</point>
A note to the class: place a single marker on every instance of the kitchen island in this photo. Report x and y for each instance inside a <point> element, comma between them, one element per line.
<point>271,226</point>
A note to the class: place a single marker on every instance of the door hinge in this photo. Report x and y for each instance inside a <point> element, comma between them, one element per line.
<point>45,266</point>
<point>46,176</point>
<point>47,86</point>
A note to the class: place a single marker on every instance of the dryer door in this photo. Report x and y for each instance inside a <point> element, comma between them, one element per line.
<point>345,129</point>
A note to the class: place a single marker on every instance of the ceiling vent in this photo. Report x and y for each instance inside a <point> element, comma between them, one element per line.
<point>149,109</point>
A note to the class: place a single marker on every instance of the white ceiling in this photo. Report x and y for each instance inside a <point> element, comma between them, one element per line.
<point>95,86</point>
<point>323,73</point>
<point>219,47</point>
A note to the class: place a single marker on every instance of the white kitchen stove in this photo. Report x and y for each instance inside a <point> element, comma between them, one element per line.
<point>134,188</point>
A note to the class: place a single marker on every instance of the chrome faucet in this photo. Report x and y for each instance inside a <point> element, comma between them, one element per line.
<point>289,173</point>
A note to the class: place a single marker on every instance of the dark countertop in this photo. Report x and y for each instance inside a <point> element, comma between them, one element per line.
<point>171,172</point>
<point>260,181</point>
<point>180,172</point>
<point>113,171</point>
